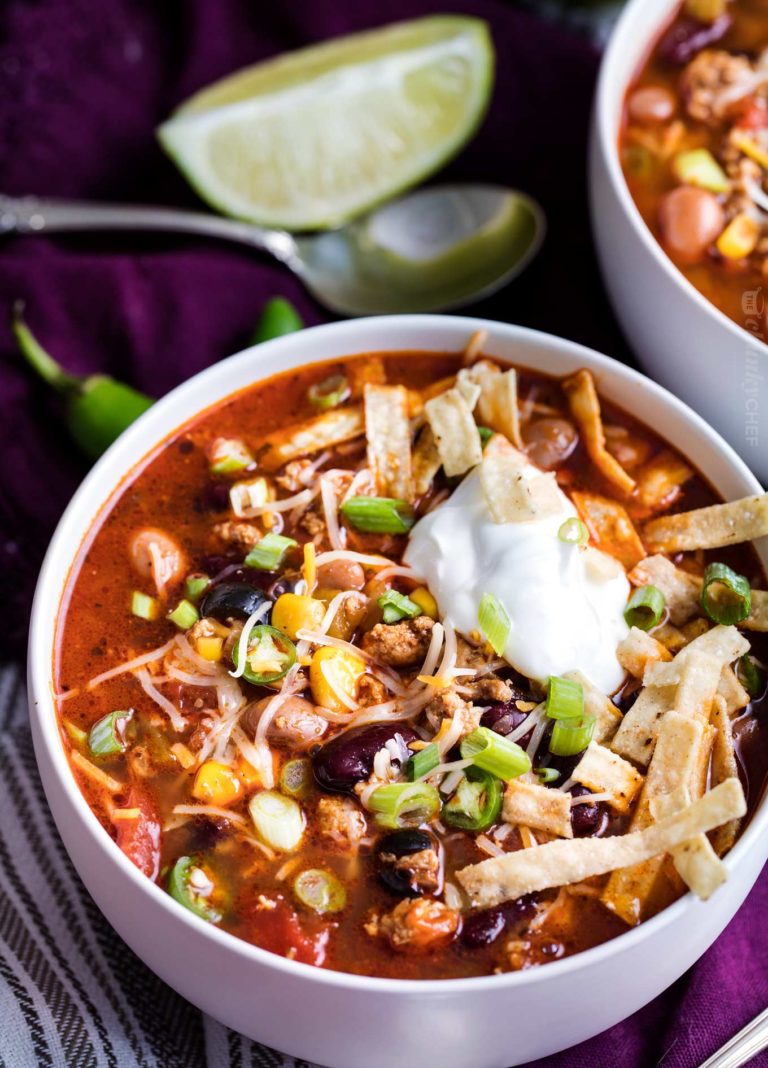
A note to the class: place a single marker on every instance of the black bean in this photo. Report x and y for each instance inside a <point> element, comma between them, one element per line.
<point>234,600</point>
<point>348,758</point>
<point>686,37</point>
<point>403,843</point>
<point>215,497</point>
<point>397,882</point>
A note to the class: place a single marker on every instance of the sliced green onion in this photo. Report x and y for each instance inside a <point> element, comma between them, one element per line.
<point>144,606</point>
<point>476,804</point>
<point>195,586</point>
<point>494,622</point>
<point>107,736</point>
<point>270,655</point>
<point>320,891</point>
<point>269,553</point>
<point>227,456</point>
<point>404,804</point>
<point>329,393</point>
<point>486,434</point>
<point>573,532</point>
<point>645,608</point>
<point>379,515</point>
<point>750,675</point>
<point>296,777</point>
<point>191,885</point>
<point>571,736</point>
<point>396,606</point>
<point>423,762</point>
<point>547,775</point>
<point>725,596</point>
<point>492,752</point>
<point>279,820</point>
<point>184,615</point>
<point>565,698</point>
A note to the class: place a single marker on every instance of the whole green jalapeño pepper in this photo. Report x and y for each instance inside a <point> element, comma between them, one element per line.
<point>97,408</point>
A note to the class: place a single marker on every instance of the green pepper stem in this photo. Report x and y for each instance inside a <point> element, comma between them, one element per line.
<point>37,358</point>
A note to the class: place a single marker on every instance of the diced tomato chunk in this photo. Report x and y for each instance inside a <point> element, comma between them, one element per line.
<point>754,115</point>
<point>273,924</point>
<point>139,838</point>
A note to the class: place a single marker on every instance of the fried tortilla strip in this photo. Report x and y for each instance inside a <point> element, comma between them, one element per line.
<point>456,436</point>
<point>732,692</point>
<point>425,462</point>
<point>602,771</point>
<point>660,481</point>
<point>681,753</point>
<point>510,495</point>
<point>758,617</point>
<point>365,370</point>
<point>638,650</point>
<point>322,432</point>
<point>497,404</point>
<point>724,766</point>
<point>530,805</point>
<point>695,861</point>
<point>597,704</point>
<point>671,638</point>
<point>681,590</point>
<point>636,737</point>
<point>722,645</point>
<point>585,407</point>
<point>388,435</point>
<point>610,527</point>
<point>565,861</point>
<point>699,680</point>
<point>709,528</point>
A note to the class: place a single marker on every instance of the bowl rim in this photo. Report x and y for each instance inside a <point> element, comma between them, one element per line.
<point>613,80</point>
<point>114,471</point>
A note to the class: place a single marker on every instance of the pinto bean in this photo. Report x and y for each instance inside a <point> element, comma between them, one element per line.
<point>549,442</point>
<point>341,575</point>
<point>157,556</point>
<point>690,219</point>
<point>296,724</point>
<point>651,104</point>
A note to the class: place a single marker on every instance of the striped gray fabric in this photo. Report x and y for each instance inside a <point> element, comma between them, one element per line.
<point>72,994</point>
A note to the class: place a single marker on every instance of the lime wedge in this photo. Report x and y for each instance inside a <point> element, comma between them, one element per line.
<point>319,136</point>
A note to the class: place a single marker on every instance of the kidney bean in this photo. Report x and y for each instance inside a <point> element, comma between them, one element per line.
<point>690,219</point>
<point>686,37</point>
<point>651,104</point>
<point>503,718</point>
<point>482,928</point>
<point>587,820</point>
<point>348,758</point>
<point>549,442</point>
<point>296,724</point>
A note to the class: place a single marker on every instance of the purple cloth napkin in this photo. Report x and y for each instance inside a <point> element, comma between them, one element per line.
<point>82,86</point>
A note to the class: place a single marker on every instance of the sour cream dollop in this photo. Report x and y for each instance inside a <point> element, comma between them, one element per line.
<point>566,605</point>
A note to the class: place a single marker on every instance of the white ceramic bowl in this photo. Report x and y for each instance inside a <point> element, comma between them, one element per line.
<point>714,364</point>
<point>328,1017</point>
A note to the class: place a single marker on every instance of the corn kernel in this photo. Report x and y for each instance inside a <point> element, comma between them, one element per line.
<point>426,602</point>
<point>333,672</point>
<point>739,237</point>
<point>248,775</point>
<point>210,648</point>
<point>749,147</point>
<point>293,612</point>
<point>705,10</point>
<point>216,784</point>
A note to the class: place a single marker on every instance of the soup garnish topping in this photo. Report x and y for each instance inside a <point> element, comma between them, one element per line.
<point>455,666</point>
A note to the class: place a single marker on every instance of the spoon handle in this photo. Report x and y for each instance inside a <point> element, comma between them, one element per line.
<point>743,1046</point>
<point>32,215</point>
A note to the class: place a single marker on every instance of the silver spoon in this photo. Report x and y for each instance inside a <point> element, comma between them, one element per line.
<point>434,249</point>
